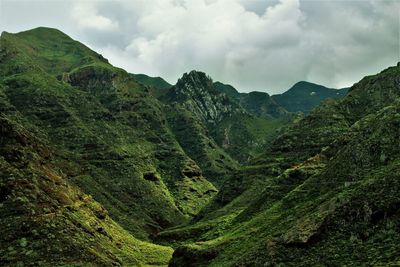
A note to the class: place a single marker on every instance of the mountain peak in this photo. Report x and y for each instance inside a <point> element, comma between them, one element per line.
<point>196,91</point>
<point>44,33</point>
<point>195,79</point>
<point>304,96</point>
<point>51,49</point>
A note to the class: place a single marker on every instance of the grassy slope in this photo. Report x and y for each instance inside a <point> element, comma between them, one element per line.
<point>245,136</point>
<point>194,138</point>
<point>311,211</point>
<point>157,82</point>
<point>301,202</point>
<point>304,96</point>
<point>49,222</point>
<point>91,113</point>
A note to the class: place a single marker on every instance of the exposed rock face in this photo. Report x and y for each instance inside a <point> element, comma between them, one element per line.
<point>195,91</point>
<point>239,129</point>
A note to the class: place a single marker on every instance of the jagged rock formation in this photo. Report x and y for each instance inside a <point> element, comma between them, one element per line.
<point>240,132</point>
<point>196,93</point>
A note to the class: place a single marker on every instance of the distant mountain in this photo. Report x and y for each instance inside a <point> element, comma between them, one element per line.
<point>304,96</point>
<point>259,104</point>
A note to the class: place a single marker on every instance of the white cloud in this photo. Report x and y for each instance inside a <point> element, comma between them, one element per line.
<point>264,45</point>
<point>85,14</point>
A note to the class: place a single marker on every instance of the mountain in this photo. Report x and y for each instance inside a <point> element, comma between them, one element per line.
<point>196,92</point>
<point>227,89</point>
<point>301,97</point>
<point>240,132</point>
<point>304,96</point>
<point>326,186</point>
<point>109,134</point>
<point>47,221</point>
<point>97,168</point>
<point>259,104</point>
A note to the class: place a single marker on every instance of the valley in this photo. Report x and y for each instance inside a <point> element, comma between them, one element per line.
<point>101,167</point>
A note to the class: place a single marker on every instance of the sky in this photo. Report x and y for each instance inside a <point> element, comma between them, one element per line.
<point>262,45</point>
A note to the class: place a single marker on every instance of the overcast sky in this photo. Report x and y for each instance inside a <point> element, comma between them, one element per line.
<point>264,45</point>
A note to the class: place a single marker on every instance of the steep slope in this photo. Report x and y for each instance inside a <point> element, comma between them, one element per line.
<point>338,207</point>
<point>110,134</point>
<point>196,93</point>
<point>233,129</point>
<point>47,221</point>
<point>304,96</point>
<point>194,137</point>
<point>193,106</point>
<point>93,165</point>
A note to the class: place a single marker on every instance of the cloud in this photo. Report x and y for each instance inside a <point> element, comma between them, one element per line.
<point>264,45</point>
<point>85,14</point>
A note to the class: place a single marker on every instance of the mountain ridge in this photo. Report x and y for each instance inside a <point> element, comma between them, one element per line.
<point>100,168</point>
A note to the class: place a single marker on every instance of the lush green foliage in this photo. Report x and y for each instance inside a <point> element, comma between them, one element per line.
<point>338,207</point>
<point>96,163</point>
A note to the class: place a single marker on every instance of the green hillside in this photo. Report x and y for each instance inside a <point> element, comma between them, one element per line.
<point>99,167</point>
<point>327,196</point>
<point>304,96</point>
<point>110,135</point>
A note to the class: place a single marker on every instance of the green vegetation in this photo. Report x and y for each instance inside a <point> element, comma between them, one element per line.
<point>156,82</point>
<point>304,96</point>
<point>106,130</point>
<point>157,85</point>
<point>339,207</point>
<point>240,127</point>
<point>99,167</point>
<point>43,214</point>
